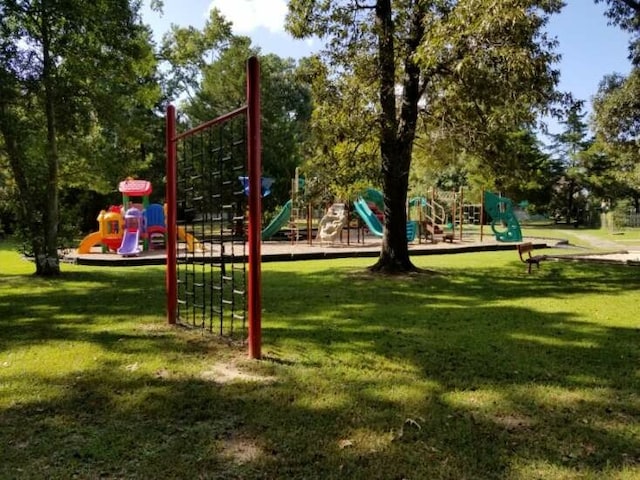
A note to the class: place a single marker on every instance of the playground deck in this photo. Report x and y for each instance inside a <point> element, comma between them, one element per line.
<point>283,250</point>
<point>277,251</point>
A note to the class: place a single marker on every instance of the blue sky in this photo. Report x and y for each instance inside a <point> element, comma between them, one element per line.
<point>590,48</point>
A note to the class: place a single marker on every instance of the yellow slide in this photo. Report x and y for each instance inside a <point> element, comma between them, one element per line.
<point>89,241</point>
<point>191,241</point>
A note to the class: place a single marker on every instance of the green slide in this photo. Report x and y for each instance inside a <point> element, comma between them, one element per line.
<point>374,225</point>
<point>370,220</point>
<point>374,196</point>
<point>278,222</point>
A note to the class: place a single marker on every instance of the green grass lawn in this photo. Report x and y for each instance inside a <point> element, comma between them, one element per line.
<point>586,237</point>
<point>478,372</point>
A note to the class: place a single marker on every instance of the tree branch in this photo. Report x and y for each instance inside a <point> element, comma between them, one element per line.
<point>386,65</point>
<point>633,5</point>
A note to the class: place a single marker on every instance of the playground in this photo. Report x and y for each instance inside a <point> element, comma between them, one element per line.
<point>137,232</point>
<point>475,366</point>
<point>138,237</point>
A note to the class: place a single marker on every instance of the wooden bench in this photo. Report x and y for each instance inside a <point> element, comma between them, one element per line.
<point>524,251</point>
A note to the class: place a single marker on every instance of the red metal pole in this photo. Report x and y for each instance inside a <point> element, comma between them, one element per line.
<point>461,210</point>
<point>255,208</point>
<point>481,213</point>
<point>171,276</point>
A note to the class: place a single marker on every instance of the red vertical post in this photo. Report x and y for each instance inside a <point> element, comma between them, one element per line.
<point>255,208</point>
<point>461,210</point>
<point>171,276</point>
<point>481,213</point>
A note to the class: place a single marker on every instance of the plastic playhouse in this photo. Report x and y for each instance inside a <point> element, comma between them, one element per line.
<point>130,228</point>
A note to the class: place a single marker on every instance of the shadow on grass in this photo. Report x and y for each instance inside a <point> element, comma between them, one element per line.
<point>453,376</point>
<point>82,305</point>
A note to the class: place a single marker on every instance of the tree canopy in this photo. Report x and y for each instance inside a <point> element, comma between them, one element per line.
<point>207,69</point>
<point>477,66</point>
<point>616,111</point>
<point>74,76</point>
<point>406,92</point>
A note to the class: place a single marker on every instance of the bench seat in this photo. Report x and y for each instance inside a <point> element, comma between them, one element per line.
<point>524,251</point>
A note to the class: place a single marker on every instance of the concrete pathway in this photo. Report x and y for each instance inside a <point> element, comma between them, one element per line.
<point>597,242</point>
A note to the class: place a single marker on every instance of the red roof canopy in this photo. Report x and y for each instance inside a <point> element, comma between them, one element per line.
<point>135,188</point>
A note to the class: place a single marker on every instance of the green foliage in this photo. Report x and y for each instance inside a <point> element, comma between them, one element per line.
<point>343,156</point>
<point>209,67</point>
<point>571,150</point>
<point>626,15</point>
<point>186,51</point>
<point>522,171</point>
<point>476,71</point>
<point>77,97</point>
<point>7,197</point>
<point>492,76</point>
<point>617,111</point>
<point>616,121</point>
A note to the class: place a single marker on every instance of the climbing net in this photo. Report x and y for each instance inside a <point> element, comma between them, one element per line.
<point>213,274</point>
<point>211,205</point>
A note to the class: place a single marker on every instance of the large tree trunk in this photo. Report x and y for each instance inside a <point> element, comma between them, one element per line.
<point>47,263</point>
<point>38,199</point>
<point>394,255</point>
<point>397,135</point>
<point>570,193</point>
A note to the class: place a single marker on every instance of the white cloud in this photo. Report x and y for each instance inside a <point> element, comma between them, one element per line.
<point>247,15</point>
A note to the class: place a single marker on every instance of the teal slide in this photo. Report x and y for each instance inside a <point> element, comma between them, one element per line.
<point>374,225</point>
<point>278,222</point>
<point>504,223</point>
<point>374,196</point>
<point>369,218</point>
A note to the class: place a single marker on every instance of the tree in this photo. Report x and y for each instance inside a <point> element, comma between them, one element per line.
<point>616,118</point>
<point>286,108</point>
<point>186,51</point>
<point>341,154</point>
<point>570,147</point>
<point>69,72</point>
<point>220,58</point>
<point>423,54</point>
<point>616,122</point>
<point>626,15</point>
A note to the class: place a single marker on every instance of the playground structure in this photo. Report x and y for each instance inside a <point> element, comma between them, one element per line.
<point>368,211</point>
<point>373,223</point>
<point>332,223</point>
<point>122,228</point>
<point>221,292</point>
<point>282,218</point>
<point>132,228</point>
<point>134,225</point>
<point>504,222</point>
<point>441,215</point>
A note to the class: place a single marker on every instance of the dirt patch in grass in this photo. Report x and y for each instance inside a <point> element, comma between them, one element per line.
<point>241,450</point>
<point>230,372</point>
<point>514,422</point>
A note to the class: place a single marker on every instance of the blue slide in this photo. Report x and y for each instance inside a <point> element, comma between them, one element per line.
<point>369,218</point>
